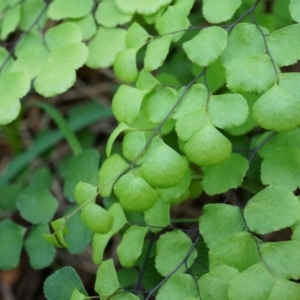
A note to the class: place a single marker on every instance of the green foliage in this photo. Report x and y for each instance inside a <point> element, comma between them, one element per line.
<point>199,108</point>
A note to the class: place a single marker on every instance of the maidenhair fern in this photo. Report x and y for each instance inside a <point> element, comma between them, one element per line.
<point>228,125</point>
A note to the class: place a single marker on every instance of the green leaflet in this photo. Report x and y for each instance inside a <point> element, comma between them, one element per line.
<point>174,193</point>
<point>274,255</point>
<point>194,100</point>
<point>178,287</point>
<point>206,46</point>
<point>294,9</point>
<point>220,10</point>
<point>13,86</point>
<point>104,46</point>
<point>135,193</point>
<point>126,103</point>
<point>214,285</point>
<point>109,15</point>
<point>31,10</point>
<point>136,35</point>
<point>209,223</point>
<point>288,139</point>
<point>158,216</point>
<point>76,295</point>
<point>131,245</point>
<point>36,204</point>
<point>180,244</point>
<point>173,20</point>
<point>60,9</point>
<point>109,172</point>
<point>245,74</point>
<point>187,126</point>
<point>249,124</point>
<point>242,248</point>
<point>259,284</point>
<point>67,59</point>
<point>263,213</point>
<point>284,45</point>
<point>158,103</point>
<point>99,243</point>
<point>106,280</point>
<point>156,53</point>
<point>172,167</point>
<point>41,253</point>
<point>66,55</point>
<point>208,147</point>
<point>85,192</point>
<point>32,40</point>
<point>284,107</point>
<point>10,21</point>
<point>220,178</point>
<point>133,143</point>
<point>11,236</point>
<point>146,7</point>
<point>79,236</point>
<point>121,127</point>
<point>244,40</point>
<point>87,25</point>
<point>65,280</point>
<point>227,110</point>
<point>97,218</point>
<point>282,167</point>
<point>125,65</point>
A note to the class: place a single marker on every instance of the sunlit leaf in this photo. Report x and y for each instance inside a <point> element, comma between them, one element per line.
<point>220,10</point>
<point>181,246</point>
<point>60,9</point>
<point>126,103</point>
<point>227,110</point>
<point>159,102</point>
<point>220,178</point>
<point>104,46</point>
<point>282,167</point>
<point>136,36</point>
<point>214,285</point>
<point>250,74</point>
<point>173,20</point>
<point>178,287</point>
<point>135,193</point>
<point>208,147</point>
<point>106,280</point>
<point>97,218</point>
<point>156,53</point>
<point>12,88</point>
<point>237,244</point>
<point>109,172</point>
<point>206,46</point>
<point>109,15</point>
<point>215,214</point>
<point>263,212</point>
<point>146,7</point>
<point>131,245</point>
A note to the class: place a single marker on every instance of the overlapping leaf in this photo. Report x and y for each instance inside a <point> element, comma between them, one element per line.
<point>281,102</point>
<point>263,212</point>
<point>206,46</point>
<point>220,10</point>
